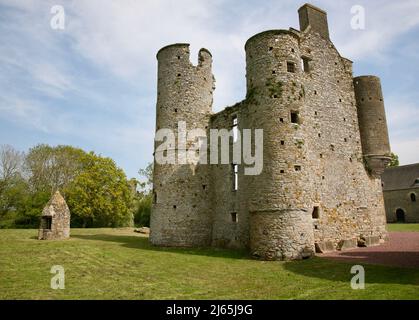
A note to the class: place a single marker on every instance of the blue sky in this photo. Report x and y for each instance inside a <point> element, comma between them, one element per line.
<point>93,84</point>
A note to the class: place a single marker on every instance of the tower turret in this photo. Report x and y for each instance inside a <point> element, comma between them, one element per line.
<point>372,123</point>
<point>180,214</point>
<point>279,216</point>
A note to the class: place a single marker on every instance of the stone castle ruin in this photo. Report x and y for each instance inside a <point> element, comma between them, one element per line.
<point>55,219</point>
<point>325,144</point>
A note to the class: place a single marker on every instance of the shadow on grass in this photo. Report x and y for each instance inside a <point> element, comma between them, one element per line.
<point>143,243</point>
<point>317,267</point>
<point>340,271</point>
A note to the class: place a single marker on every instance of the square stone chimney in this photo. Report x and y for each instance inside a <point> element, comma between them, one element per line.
<point>314,17</point>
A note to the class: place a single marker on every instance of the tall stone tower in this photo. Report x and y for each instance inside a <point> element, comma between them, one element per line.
<point>278,196</point>
<point>372,123</point>
<point>181,215</point>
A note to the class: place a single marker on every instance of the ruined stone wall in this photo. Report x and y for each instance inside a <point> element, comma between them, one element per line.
<point>315,191</point>
<point>181,211</point>
<point>315,164</point>
<point>401,199</point>
<point>229,232</point>
<point>349,200</point>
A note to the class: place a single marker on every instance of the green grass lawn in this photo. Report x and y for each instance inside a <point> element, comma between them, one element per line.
<point>403,227</point>
<point>119,264</point>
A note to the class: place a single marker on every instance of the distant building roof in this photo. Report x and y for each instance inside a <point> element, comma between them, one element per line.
<point>403,177</point>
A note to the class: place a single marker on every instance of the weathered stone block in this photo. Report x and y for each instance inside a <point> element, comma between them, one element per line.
<point>347,244</point>
<point>372,241</point>
<point>324,246</point>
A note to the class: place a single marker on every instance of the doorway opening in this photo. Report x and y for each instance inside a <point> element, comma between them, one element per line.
<point>400,216</point>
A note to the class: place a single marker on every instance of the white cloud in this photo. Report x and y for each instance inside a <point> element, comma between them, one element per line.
<point>119,40</point>
<point>385,22</point>
<point>402,119</point>
<point>407,150</point>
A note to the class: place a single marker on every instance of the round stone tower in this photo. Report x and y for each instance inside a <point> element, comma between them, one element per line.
<point>180,214</point>
<point>372,123</point>
<point>278,199</point>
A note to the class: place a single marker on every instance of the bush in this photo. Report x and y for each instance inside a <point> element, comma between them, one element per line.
<point>143,211</point>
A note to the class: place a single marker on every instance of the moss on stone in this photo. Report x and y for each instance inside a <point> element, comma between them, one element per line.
<point>275,88</point>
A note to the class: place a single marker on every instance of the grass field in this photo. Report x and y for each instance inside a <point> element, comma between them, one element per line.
<point>119,264</point>
<point>404,227</point>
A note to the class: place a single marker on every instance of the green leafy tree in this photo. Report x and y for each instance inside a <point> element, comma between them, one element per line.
<point>52,168</point>
<point>394,162</point>
<point>97,191</point>
<point>144,197</point>
<point>100,196</point>
<point>13,187</point>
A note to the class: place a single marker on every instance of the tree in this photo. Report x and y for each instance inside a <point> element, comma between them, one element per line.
<point>10,162</point>
<point>96,190</point>
<point>52,168</point>
<point>13,188</point>
<point>147,173</point>
<point>394,162</point>
<point>144,197</point>
<point>100,196</point>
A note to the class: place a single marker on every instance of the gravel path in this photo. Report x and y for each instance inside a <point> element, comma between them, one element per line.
<point>402,250</point>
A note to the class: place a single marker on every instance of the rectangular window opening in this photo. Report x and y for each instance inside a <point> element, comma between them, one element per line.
<point>235,128</point>
<point>291,67</point>
<point>294,117</point>
<point>46,223</point>
<point>235,177</point>
<point>305,64</point>
<point>316,213</point>
<point>234,217</point>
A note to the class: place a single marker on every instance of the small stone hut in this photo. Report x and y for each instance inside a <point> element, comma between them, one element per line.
<point>55,220</point>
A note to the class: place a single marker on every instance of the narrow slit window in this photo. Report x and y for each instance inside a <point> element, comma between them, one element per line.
<point>154,197</point>
<point>235,128</point>
<point>316,213</point>
<point>234,217</point>
<point>413,197</point>
<point>294,117</point>
<point>235,177</point>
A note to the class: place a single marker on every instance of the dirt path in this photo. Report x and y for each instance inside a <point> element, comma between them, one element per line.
<point>402,250</point>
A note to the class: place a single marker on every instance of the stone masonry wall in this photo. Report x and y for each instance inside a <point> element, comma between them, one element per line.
<point>401,199</point>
